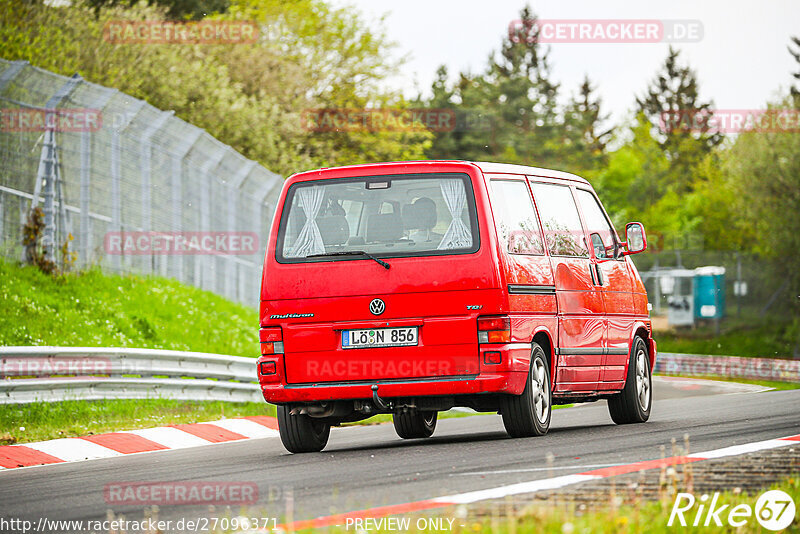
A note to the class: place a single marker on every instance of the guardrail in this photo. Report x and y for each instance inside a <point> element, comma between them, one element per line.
<point>50,374</point>
<point>774,369</point>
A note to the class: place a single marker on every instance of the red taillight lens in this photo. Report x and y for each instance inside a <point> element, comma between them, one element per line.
<point>272,333</point>
<point>271,340</point>
<point>494,329</point>
<point>494,323</point>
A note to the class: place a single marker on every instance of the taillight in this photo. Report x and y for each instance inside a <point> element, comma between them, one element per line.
<point>494,329</point>
<point>271,340</point>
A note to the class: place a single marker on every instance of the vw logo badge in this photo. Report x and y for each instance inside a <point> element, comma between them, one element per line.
<point>377,306</point>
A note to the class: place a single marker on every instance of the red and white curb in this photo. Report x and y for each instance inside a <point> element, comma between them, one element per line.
<point>538,485</point>
<point>136,441</point>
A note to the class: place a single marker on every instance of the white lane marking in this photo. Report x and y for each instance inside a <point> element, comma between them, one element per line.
<point>173,438</point>
<point>567,480</point>
<point>736,450</point>
<point>245,427</point>
<point>515,489</point>
<point>533,469</point>
<point>73,449</point>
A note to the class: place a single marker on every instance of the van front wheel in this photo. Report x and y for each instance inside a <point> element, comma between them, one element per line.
<point>415,424</point>
<point>301,433</point>
<point>529,414</point>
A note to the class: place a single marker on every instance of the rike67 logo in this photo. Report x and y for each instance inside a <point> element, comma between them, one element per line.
<point>774,510</point>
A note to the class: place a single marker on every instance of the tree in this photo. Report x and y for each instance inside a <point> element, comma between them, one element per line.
<point>766,168</point>
<point>250,96</point>
<point>509,111</point>
<point>175,9</point>
<point>519,86</point>
<point>796,55</point>
<point>679,119</point>
<point>583,129</point>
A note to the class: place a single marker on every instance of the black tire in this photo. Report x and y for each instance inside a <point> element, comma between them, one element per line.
<point>529,414</point>
<point>633,403</point>
<point>301,433</point>
<point>416,424</point>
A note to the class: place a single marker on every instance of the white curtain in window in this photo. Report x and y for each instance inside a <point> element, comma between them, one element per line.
<point>457,234</point>
<point>310,240</point>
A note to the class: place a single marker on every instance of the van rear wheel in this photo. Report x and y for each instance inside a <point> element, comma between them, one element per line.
<point>632,404</point>
<point>301,433</point>
<point>415,424</point>
<point>529,414</point>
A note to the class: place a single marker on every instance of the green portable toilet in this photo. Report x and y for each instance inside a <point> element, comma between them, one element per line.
<point>709,292</point>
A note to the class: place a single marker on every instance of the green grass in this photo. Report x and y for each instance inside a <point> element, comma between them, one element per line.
<point>92,309</point>
<point>38,421</point>
<point>750,335</point>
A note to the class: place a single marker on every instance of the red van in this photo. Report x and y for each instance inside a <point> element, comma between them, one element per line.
<point>414,287</point>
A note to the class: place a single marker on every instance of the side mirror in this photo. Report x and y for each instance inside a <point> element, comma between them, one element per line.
<point>636,238</point>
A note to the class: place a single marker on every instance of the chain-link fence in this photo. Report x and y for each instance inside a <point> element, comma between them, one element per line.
<point>720,302</point>
<point>140,190</point>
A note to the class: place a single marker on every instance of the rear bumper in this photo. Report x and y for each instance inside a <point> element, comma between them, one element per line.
<point>507,377</point>
<point>506,382</point>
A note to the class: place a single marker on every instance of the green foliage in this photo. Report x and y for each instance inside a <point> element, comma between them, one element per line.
<point>91,309</point>
<point>673,107</point>
<point>175,9</point>
<point>509,112</point>
<point>749,336</point>
<point>583,137</point>
<point>250,96</point>
<point>796,55</point>
<point>765,167</point>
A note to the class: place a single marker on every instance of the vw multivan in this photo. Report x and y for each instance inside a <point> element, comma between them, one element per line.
<point>411,288</point>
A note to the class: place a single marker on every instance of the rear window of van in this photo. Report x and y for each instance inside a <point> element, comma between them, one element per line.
<point>386,216</point>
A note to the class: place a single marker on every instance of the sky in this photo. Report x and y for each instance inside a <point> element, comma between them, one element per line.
<point>741,59</point>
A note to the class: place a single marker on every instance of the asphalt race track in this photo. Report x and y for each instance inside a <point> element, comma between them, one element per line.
<point>363,467</point>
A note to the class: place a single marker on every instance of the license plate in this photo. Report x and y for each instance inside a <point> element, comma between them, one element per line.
<point>380,337</point>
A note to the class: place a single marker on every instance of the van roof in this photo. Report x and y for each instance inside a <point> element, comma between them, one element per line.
<point>486,167</point>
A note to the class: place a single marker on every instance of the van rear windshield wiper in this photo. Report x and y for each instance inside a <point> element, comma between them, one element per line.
<point>352,253</point>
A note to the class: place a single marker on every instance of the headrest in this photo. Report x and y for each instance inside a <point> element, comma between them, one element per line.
<point>421,214</point>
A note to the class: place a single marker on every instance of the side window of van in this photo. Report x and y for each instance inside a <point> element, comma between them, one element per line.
<point>596,223</point>
<point>515,217</point>
<point>560,220</point>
